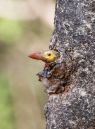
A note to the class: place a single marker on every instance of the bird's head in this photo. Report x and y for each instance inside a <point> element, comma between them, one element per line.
<point>46,56</point>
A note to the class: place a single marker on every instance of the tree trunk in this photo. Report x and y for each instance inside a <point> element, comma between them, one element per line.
<point>71,86</point>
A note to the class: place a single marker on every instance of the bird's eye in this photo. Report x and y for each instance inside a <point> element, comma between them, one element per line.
<point>49,54</point>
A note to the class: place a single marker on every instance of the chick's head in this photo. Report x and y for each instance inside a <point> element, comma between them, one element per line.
<point>46,56</point>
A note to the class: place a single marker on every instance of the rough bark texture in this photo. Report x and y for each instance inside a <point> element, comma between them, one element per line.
<point>74,39</point>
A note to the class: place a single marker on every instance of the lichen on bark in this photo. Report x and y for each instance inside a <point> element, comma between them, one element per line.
<point>74,36</point>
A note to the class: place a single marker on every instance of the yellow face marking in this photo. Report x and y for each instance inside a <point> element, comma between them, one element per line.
<point>49,56</point>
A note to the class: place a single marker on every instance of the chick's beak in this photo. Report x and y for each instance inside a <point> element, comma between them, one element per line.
<point>36,56</point>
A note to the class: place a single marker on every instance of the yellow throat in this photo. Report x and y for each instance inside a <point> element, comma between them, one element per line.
<point>50,56</point>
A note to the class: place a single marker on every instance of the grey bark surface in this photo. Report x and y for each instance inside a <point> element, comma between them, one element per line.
<point>74,39</point>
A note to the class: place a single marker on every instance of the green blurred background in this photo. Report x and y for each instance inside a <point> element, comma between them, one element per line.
<point>25,26</point>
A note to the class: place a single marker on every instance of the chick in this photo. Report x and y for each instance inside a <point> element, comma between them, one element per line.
<point>54,76</point>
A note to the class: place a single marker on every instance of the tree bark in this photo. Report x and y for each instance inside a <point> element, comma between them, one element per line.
<point>71,104</point>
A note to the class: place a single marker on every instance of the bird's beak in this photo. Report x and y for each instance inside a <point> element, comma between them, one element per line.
<point>36,56</point>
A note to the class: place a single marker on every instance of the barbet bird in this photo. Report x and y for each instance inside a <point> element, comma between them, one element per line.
<point>51,70</point>
<point>53,66</point>
<point>54,72</point>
